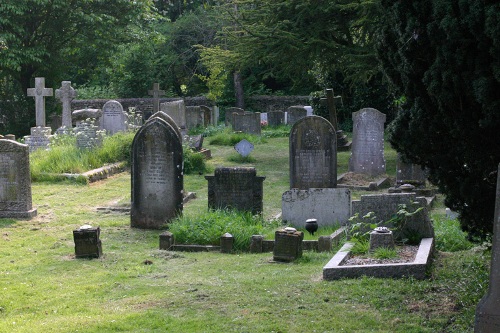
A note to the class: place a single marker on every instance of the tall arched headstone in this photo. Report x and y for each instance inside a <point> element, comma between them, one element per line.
<point>367,155</point>
<point>313,154</point>
<point>114,119</point>
<point>157,180</point>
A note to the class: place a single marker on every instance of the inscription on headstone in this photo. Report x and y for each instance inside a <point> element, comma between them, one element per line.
<point>313,154</point>
<point>235,188</point>
<point>157,180</point>
<point>367,155</point>
<point>15,181</point>
<point>113,118</point>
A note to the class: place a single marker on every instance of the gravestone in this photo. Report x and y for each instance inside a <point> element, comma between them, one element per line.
<point>235,188</point>
<point>313,154</point>
<point>66,94</point>
<point>248,122</point>
<point>39,93</point>
<point>407,173</point>
<point>156,93</point>
<point>114,119</point>
<point>287,245</point>
<point>84,114</point>
<point>215,115</point>
<point>15,181</point>
<point>177,111</point>
<point>88,135</point>
<point>162,115</point>
<point>87,242</point>
<point>487,311</point>
<point>295,113</point>
<point>367,156</point>
<point>244,147</point>
<point>229,114</point>
<point>275,118</point>
<point>194,117</point>
<point>207,115</point>
<point>156,172</point>
<point>329,206</point>
<point>39,138</point>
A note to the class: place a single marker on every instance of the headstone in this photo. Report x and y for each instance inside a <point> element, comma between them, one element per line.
<point>156,172</point>
<point>295,113</point>
<point>88,135</point>
<point>226,243</point>
<point>313,154</point>
<point>244,147</point>
<point>235,188</point>
<point>66,94</point>
<point>84,114</point>
<point>87,242</point>
<point>487,311</point>
<point>215,115</point>
<point>275,118</point>
<point>162,115</point>
<point>156,93</point>
<point>39,93</point>
<point>177,111</point>
<point>385,206</point>
<point>287,245</point>
<point>367,155</point>
<point>229,114</point>
<point>207,115</point>
<point>39,138</point>
<point>309,110</point>
<point>15,181</point>
<point>329,206</point>
<point>114,119</point>
<point>194,117</point>
<point>408,173</point>
<point>248,122</point>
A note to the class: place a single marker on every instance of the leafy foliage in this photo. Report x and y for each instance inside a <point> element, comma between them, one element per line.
<point>444,57</point>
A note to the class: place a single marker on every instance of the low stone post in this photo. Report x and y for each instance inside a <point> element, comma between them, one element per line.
<point>87,242</point>
<point>287,245</point>
<point>325,244</point>
<point>381,237</point>
<point>166,240</point>
<point>256,244</point>
<point>226,243</point>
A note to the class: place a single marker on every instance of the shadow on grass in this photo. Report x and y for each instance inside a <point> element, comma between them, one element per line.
<point>4,223</point>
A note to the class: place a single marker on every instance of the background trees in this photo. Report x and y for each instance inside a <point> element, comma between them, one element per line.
<point>444,56</point>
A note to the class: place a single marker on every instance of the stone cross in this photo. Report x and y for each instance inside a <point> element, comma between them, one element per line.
<point>66,94</point>
<point>39,92</point>
<point>487,315</point>
<point>156,93</point>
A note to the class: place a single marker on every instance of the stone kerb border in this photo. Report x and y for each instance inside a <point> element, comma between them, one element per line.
<point>94,175</point>
<point>372,186</point>
<point>418,269</point>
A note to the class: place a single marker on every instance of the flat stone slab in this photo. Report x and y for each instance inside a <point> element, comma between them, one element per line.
<point>95,174</point>
<point>334,269</point>
<point>371,186</point>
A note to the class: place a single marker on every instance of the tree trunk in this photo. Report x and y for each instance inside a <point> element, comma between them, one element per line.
<point>238,90</point>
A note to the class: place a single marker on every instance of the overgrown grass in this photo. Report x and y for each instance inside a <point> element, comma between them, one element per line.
<point>385,253</point>
<point>449,236</point>
<point>229,138</point>
<point>276,132</point>
<point>208,227</point>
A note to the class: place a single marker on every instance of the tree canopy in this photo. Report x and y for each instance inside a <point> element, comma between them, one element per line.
<point>444,56</point>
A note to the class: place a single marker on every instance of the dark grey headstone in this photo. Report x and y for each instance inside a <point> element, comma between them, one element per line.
<point>114,119</point>
<point>295,113</point>
<point>194,117</point>
<point>235,188</point>
<point>367,155</point>
<point>15,181</point>
<point>313,154</point>
<point>229,114</point>
<point>487,311</point>
<point>177,111</point>
<point>157,180</point>
<point>207,115</point>
<point>287,245</point>
<point>247,123</point>
<point>162,115</point>
<point>275,118</point>
<point>407,173</point>
<point>87,242</point>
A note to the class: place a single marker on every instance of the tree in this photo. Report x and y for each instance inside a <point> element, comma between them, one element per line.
<point>444,56</point>
<point>47,37</point>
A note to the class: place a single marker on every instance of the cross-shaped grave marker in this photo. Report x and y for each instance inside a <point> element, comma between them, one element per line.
<point>66,94</point>
<point>39,93</point>
<point>156,93</point>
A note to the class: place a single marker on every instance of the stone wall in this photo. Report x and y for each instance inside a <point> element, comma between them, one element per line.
<point>274,103</point>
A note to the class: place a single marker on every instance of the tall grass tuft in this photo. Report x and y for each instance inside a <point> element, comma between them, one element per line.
<point>449,236</point>
<point>229,138</point>
<point>207,228</point>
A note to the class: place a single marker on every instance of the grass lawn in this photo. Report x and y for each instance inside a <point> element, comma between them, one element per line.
<point>44,289</point>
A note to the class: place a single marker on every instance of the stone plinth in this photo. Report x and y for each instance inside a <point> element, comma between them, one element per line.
<point>287,245</point>
<point>87,242</point>
<point>226,243</point>
<point>381,240</point>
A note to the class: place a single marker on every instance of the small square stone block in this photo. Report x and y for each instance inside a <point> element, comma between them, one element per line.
<point>287,245</point>
<point>87,242</point>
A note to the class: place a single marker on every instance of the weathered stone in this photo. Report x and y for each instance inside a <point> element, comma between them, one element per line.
<point>367,155</point>
<point>275,118</point>
<point>66,94</point>
<point>177,111</point>
<point>83,114</point>
<point>295,113</point>
<point>15,181</point>
<point>88,134</point>
<point>244,147</point>
<point>407,173</point>
<point>156,93</point>
<point>157,180</point>
<point>287,245</point>
<point>207,115</point>
<point>381,240</point>
<point>313,154</point>
<point>114,119</point>
<point>229,114</point>
<point>487,311</point>
<point>194,117</point>
<point>256,244</point>
<point>87,242</point>
<point>162,115</point>
<point>39,138</point>
<point>329,206</point>
<point>166,240</point>
<point>247,123</point>
<point>39,93</point>
<point>235,188</point>
<point>226,243</point>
